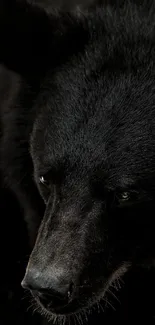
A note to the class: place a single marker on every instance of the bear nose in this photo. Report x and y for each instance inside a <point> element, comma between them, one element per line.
<point>54,293</point>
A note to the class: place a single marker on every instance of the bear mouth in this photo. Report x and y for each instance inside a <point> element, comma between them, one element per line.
<point>80,306</point>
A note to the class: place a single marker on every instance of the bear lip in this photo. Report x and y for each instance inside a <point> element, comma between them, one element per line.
<point>74,307</point>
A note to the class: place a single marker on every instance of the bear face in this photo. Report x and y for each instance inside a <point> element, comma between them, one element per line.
<point>89,144</point>
<point>92,146</point>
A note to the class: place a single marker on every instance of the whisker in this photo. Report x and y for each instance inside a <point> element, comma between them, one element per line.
<point>107,303</point>
<point>113,295</point>
<point>76,319</point>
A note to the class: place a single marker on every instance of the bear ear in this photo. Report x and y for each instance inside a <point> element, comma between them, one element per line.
<point>32,37</point>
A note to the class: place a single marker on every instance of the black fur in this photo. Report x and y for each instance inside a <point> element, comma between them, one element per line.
<point>79,111</point>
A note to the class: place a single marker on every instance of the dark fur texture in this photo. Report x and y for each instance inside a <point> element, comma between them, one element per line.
<point>82,115</point>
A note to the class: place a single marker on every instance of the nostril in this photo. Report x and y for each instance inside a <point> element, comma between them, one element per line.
<point>30,282</point>
<point>23,284</point>
<point>26,285</point>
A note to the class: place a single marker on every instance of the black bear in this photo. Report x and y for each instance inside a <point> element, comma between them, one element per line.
<point>77,118</point>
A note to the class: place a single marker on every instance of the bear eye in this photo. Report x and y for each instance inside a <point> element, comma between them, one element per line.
<point>127,197</point>
<point>44,182</point>
<point>124,196</point>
